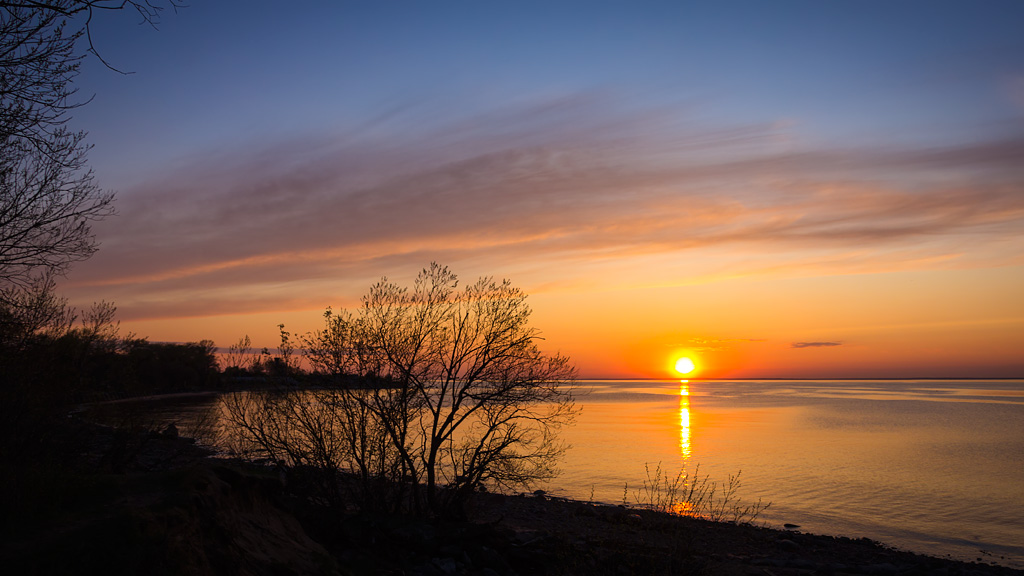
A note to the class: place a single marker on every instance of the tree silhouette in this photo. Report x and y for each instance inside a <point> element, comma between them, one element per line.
<point>48,197</point>
<point>454,396</point>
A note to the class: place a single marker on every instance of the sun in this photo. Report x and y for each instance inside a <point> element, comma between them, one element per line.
<point>685,365</point>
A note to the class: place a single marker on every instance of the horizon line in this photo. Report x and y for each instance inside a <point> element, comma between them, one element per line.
<point>777,378</point>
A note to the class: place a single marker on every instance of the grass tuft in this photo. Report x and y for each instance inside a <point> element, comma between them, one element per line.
<point>694,495</point>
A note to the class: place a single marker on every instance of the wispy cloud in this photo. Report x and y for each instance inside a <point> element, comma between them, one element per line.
<point>559,182</point>
<point>1014,89</point>
<point>717,344</point>
<point>814,344</point>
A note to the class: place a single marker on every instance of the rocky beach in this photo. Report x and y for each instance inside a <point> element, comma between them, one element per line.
<point>153,503</point>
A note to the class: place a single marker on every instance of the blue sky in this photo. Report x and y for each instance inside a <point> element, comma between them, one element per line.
<point>221,74</point>
<point>271,158</point>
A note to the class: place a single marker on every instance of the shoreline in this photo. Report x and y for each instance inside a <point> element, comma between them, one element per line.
<point>720,547</point>
<point>173,509</point>
<point>792,532</point>
<point>962,549</point>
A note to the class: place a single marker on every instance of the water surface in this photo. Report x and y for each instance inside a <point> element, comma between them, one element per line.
<point>935,467</point>
<point>930,466</point>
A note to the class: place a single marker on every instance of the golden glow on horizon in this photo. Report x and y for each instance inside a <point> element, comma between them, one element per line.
<point>744,327</point>
<point>685,365</point>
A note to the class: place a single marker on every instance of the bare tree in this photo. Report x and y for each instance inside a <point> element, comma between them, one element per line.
<point>48,199</point>
<point>239,357</point>
<point>77,15</point>
<point>35,310</point>
<point>47,202</point>
<point>474,400</point>
<point>454,394</point>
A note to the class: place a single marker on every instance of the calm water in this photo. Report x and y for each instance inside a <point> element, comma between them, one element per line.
<point>930,466</point>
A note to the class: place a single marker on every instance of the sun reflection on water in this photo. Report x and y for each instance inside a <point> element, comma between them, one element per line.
<point>684,419</point>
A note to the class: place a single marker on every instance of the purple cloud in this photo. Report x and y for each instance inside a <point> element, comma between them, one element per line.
<point>814,344</point>
<point>564,181</point>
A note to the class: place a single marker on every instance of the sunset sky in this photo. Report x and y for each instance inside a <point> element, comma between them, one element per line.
<point>777,189</point>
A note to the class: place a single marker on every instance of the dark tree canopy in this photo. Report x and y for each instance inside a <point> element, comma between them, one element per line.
<point>48,197</point>
<point>49,359</point>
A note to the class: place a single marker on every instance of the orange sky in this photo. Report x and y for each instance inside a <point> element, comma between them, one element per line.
<point>923,323</point>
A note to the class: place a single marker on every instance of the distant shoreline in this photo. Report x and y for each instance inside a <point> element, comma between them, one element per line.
<point>905,379</point>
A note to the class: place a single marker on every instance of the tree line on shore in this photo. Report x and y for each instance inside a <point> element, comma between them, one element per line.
<point>409,404</point>
<point>50,354</point>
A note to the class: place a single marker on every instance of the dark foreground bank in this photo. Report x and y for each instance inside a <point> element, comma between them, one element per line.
<point>154,504</point>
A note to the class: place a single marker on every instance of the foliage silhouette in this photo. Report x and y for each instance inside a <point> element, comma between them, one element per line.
<point>433,393</point>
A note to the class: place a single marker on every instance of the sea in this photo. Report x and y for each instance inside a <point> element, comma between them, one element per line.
<point>929,466</point>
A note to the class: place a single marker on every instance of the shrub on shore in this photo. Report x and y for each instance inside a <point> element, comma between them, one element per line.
<point>694,495</point>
